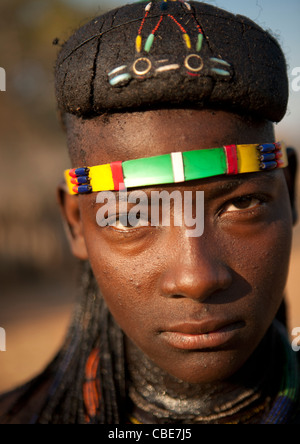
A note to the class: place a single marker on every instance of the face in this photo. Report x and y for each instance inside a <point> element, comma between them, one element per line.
<point>197,306</point>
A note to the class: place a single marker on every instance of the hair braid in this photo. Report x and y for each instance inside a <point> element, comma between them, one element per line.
<point>92,327</point>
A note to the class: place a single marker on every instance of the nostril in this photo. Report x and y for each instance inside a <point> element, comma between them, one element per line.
<point>188,282</point>
<point>177,296</point>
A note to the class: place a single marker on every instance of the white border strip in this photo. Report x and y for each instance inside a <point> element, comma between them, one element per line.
<point>167,68</point>
<point>116,70</point>
<point>178,167</point>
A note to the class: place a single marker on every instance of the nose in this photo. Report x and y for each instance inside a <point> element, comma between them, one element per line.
<point>195,271</point>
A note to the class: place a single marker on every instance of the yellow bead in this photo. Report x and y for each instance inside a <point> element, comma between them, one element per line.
<point>187,40</point>
<point>138,43</point>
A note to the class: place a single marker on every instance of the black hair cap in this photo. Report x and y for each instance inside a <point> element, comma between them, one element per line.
<point>159,54</point>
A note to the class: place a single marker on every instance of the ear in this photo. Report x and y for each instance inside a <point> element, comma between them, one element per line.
<point>291,178</point>
<point>72,221</point>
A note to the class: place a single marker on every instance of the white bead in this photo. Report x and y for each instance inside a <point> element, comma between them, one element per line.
<point>148,7</point>
<point>178,167</point>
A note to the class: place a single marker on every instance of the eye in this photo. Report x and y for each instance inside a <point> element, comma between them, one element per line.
<point>244,203</point>
<point>134,223</point>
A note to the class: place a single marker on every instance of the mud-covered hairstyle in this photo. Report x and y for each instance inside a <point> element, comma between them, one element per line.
<point>160,54</point>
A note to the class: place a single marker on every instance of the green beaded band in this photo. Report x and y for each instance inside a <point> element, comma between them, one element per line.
<point>177,167</point>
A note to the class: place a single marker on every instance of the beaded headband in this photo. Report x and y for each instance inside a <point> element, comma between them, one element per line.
<point>177,168</point>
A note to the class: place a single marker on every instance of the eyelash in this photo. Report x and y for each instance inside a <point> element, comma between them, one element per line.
<point>262,199</point>
<point>127,229</point>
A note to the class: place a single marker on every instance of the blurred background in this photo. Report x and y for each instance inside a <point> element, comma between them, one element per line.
<point>37,272</point>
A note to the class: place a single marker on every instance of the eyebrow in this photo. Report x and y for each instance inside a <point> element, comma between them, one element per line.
<point>228,186</point>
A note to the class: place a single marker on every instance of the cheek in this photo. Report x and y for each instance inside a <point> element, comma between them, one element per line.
<point>261,259</point>
<point>128,284</point>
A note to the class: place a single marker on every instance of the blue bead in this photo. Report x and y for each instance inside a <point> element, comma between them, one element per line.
<point>268,157</point>
<point>267,148</point>
<point>268,165</point>
<point>82,180</point>
<point>82,172</point>
<point>120,80</point>
<point>84,189</point>
<point>220,72</point>
<point>164,6</point>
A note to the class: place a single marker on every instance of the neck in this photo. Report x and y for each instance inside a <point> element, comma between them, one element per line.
<point>158,397</point>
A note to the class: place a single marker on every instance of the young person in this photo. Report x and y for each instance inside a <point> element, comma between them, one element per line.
<point>173,327</point>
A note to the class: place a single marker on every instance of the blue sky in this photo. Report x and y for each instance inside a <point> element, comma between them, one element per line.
<point>282,18</point>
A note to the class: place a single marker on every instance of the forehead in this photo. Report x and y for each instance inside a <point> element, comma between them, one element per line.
<point>126,136</point>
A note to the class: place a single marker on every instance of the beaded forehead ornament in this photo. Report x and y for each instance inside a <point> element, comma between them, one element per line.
<point>147,64</point>
<point>177,168</point>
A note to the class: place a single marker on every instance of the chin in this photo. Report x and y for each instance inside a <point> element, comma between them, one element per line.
<point>206,367</point>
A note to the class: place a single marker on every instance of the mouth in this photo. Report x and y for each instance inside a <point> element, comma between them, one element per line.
<point>202,335</point>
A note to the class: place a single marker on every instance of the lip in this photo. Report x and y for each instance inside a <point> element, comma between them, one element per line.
<point>202,335</point>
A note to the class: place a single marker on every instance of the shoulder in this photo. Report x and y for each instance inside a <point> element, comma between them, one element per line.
<point>7,400</point>
<point>23,405</point>
<point>296,418</point>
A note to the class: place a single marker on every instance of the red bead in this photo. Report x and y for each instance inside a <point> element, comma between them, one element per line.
<point>83,180</point>
<point>72,173</point>
<point>232,159</point>
<point>118,177</point>
<point>83,189</point>
<point>278,146</point>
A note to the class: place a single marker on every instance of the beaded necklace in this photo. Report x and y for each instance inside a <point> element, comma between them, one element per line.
<point>282,410</point>
<point>284,405</point>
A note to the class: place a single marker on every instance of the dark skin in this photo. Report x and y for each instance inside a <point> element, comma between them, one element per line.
<point>156,278</point>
